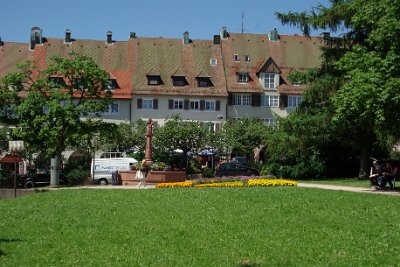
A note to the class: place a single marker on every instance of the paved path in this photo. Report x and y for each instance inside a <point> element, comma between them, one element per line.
<point>350,189</point>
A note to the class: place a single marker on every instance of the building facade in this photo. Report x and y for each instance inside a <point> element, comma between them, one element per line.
<point>234,75</point>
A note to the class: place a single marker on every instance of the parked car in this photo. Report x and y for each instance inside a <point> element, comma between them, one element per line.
<point>235,169</point>
<point>40,177</point>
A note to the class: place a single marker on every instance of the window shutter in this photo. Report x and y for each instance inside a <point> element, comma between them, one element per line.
<point>276,80</point>
<point>256,100</point>
<point>171,104</point>
<point>186,104</point>
<point>217,105</point>
<point>139,103</point>
<point>230,99</point>
<point>202,104</point>
<point>155,103</point>
<point>283,101</point>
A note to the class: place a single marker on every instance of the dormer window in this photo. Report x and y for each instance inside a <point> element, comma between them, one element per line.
<point>236,57</point>
<point>56,82</point>
<point>269,81</point>
<point>153,80</point>
<point>213,62</point>
<point>246,58</point>
<point>203,82</point>
<point>179,81</point>
<point>154,77</point>
<point>111,84</point>
<point>203,79</point>
<point>243,77</point>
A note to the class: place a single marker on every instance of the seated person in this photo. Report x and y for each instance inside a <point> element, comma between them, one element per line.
<point>387,175</point>
<point>376,173</point>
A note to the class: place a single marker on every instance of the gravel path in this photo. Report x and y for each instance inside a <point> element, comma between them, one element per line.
<point>351,189</point>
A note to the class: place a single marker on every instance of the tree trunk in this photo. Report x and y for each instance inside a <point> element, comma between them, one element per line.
<point>365,154</point>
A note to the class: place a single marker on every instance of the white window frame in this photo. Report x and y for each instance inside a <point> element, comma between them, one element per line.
<point>209,105</point>
<point>241,100</point>
<point>243,77</point>
<point>269,121</point>
<point>113,109</point>
<point>294,100</point>
<point>147,103</point>
<point>213,61</point>
<point>269,81</point>
<point>236,57</point>
<point>247,58</point>
<point>270,100</point>
<point>178,104</point>
<point>194,104</point>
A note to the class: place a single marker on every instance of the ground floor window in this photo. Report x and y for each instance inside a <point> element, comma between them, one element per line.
<point>242,100</point>
<point>294,101</point>
<point>270,100</point>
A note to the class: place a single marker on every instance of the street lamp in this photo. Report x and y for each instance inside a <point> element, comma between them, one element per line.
<point>15,147</point>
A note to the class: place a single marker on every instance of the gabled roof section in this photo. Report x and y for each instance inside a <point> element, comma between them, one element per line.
<point>178,73</point>
<point>289,52</point>
<point>153,72</point>
<point>11,54</point>
<point>269,66</point>
<point>174,59</point>
<point>242,69</point>
<point>203,74</point>
<point>114,59</point>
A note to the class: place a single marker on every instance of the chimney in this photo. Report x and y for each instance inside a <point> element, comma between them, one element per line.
<point>36,37</point>
<point>224,33</point>
<point>67,39</point>
<point>186,39</point>
<point>217,39</point>
<point>109,37</point>
<point>274,36</point>
<point>132,35</point>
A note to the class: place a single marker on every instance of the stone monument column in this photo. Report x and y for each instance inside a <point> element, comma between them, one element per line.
<point>149,133</point>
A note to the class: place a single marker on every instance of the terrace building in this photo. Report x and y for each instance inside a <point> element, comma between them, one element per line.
<point>233,75</point>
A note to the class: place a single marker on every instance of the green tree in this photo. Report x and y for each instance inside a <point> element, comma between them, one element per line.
<point>128,137</point>
<point>50,110</point>
<point>363,64</point>
<point>243,135</point>
<point>176,133</point>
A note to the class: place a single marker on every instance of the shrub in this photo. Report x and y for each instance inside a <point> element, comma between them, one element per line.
<point>77,176</point>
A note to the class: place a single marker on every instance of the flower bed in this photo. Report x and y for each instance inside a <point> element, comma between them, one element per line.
<point>178,184</point>
<point>271,182</point>
<point>221,184</point>
<point>231,182</point>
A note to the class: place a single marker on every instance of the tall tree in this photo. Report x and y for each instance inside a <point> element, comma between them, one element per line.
<point>54,100</point>
<point>363,64</point>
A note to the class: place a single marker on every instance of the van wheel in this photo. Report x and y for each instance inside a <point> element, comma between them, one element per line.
<point>29,184</point>
<point>103,182</point>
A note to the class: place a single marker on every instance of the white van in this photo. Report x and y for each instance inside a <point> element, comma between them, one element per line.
<point>103,168</point>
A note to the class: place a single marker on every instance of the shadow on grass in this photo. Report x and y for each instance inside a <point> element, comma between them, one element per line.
<point>7,240</point>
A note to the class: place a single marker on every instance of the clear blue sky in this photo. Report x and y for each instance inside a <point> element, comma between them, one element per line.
<point>91,19</point>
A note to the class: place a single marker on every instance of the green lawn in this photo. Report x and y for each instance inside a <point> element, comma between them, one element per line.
<point>281,226</point>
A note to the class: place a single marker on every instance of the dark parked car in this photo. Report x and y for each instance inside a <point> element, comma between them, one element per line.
<point>235,169</point>
<point>39,177</point>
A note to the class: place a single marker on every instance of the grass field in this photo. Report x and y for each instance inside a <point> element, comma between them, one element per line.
<point>280,226</point>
